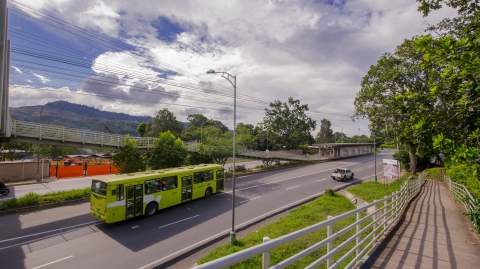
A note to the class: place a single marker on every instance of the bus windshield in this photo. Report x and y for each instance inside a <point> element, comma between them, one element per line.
<point>99,187</point>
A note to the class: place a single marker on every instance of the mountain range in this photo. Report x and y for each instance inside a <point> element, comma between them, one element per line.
<point>66,114</point>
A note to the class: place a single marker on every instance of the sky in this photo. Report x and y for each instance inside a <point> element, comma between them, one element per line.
<point>138,57</point>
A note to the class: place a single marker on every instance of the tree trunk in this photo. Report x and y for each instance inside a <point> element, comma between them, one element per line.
<point>413,158</point>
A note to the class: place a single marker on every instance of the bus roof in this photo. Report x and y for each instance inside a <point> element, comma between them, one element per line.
<point>158,173</point>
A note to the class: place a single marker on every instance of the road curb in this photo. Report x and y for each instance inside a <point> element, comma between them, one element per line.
<point>44,206</point>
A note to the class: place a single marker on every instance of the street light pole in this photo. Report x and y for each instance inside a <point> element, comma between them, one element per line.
<point>233,81</point>
<point>375,158</point>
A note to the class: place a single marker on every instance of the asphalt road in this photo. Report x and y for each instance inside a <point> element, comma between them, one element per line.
<point>70,237</point>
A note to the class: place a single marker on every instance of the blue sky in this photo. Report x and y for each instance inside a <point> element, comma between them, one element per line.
<point>123,56</point>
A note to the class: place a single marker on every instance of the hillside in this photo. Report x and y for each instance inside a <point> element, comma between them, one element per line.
<point>71,115</point>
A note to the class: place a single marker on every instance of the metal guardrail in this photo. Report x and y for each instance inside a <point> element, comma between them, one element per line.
<point>385,213</point>
<point>461,194</point>
<point>53,132</point>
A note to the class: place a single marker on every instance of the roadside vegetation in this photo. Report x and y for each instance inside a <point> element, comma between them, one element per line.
<point>306,215</point>
<point>34,199</point>
<point>370,191</point>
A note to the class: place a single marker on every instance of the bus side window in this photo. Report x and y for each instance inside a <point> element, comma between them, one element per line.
<point>150,186</point>
<point>119,192</point>
<point>220,174</point>
<point>171,183</point>
<point>208,175</point>
<point>198,177</point>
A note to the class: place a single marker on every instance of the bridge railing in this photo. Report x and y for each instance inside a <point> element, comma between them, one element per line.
<point>384,214</point>
<point>53,132</point>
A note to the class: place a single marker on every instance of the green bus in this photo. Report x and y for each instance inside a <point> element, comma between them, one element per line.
<point>119,197</point>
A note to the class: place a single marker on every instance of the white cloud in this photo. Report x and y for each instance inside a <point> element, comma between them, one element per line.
<point>41,78</point>
<point>310,50</point>
<point>17,69</point>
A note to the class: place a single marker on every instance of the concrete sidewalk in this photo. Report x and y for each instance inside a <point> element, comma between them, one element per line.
<point>432,234</point>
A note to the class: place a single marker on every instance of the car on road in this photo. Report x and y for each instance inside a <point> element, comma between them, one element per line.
<point>342,173</point>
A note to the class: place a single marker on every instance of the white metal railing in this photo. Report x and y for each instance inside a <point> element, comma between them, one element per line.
<point>461,194</point>
<point>53,132</point>
<point>384,214</point>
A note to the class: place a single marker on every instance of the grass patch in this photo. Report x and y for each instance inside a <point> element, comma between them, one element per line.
<point>370,191</point>
<point>33,199</point>
<point>299,218</point>
<point>436,173</point>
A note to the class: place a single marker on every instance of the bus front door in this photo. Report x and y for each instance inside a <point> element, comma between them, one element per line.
<point>134,200</point>
<point>186,188</point>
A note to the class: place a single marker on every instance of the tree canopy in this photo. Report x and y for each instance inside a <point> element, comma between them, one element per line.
<point>325,135</point>
<point>164,121</point>
<point>289,123</point>
<point>128,159</point>
<point>168,152</point>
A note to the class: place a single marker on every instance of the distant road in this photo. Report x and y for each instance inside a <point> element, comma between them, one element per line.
<point>70,237</point>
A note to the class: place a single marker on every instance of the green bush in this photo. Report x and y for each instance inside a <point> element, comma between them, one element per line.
<point>466,175</point>
<point>33,199</point>
<point>436,173</point>
<point>388,146</point>
<point>404,159</point>
<point>329,192</point>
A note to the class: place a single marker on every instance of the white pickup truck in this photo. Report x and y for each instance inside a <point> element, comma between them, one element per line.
<point>342,173</point>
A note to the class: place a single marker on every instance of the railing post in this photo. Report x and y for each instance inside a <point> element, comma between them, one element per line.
<point>357,240</point>
<point>83,137</point>
<point>396,204</point>
<point>374,217</point>
<point>40,132</point>
<point>385,203</point>
<point>329,244</point>
<point>266,255</point>
<point>63,134</point>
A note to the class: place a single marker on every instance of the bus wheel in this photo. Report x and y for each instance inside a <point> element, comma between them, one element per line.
<point>151,209</point>
<point>208,192</point>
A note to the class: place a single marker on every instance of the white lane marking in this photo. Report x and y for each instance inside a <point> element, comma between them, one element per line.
<point>359,169</point>
<point>240,225</point>
<point>249,200</point>
<point>292,187</point>
<point>370,166</point>
<point>52,262</point>
<point>20,237</point>
<point>321,180</point>
<point>179,221</point>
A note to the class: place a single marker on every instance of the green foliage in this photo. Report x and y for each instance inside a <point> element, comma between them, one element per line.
<point>142,129</point>
<point>474,215</point>
<point>33,199</point>
<point>404,159</point>
<point>467,175</point>
<point>301,217</point>
<point>329,192</point>
<point>388,146</point>
<point>436,173</point>
<point>164,121</point>
<point>128,159</point>
<point>168,152</point>
<point>217,147</point>
<point>288,123</point>
<point>325,135</point>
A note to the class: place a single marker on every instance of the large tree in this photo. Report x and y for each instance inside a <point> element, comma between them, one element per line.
<point>454,48</point>
<point>217,148</point>
<point>168,152</point>
<point>164,121</point>
<point>142,129</point>
<point>325,135</point>
<point>289,123</point>
<point>395,96</point>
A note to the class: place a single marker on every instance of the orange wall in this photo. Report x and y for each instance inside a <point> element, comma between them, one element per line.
<point>70,171</point>
<point>53,170</point>
<point>93,170</point>
<point>114,170</point>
